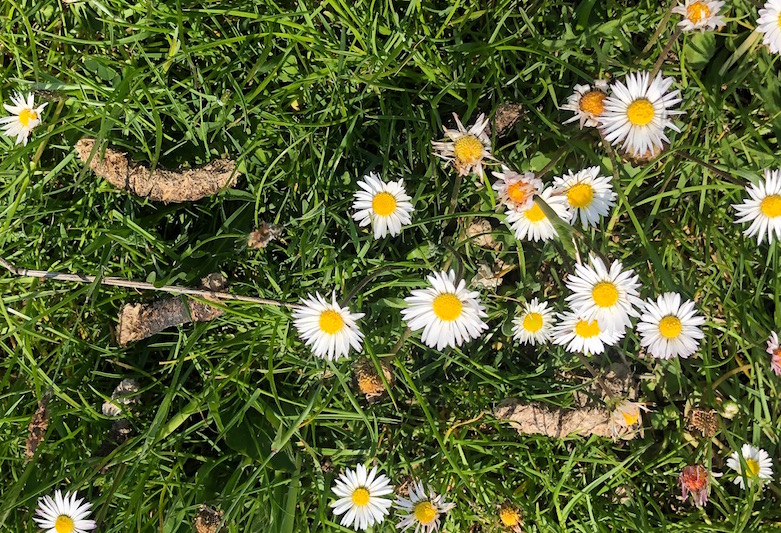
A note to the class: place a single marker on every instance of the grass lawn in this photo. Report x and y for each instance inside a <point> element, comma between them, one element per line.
<point>308,97</point>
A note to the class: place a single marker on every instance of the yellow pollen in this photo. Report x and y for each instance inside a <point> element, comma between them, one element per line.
<point>447,307</point>
<point>519,191</point>
<point>631,417</point>
<point>384,204</point>
<point>64,524</point>
<point>670,327</point>
<point>535,213</point>
<point>753,467</point>
<point>532,322</point>
<point>580,195</point>
<point>605,294</point>
<point>27,116</point>
<point>697,11</point>
<point>592,102</point>
<point>509,516</point>
<point>771,205</point>
<point>468,149</point>
<point>425,512</point>
<point>360,496</point>
<point>331,322</point>
<point>640,112</point>
<point>587,330</point>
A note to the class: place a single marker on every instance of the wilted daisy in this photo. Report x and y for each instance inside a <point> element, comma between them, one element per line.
<point>422,509</point>
<point>447,313</point>
<point>327,327</point>
<point>700,15</point>
<point>386,206</point>
<point>533,224</point>
<point>626,416</point>
<point>759,465</point>
<point>637,113</point>
<point>587,103</point>
<point>769,24</point>
<point>763,208</point>
<point>608,295</point>
<point>588,194</point>
<point>695,479</point>
<point>467,148</point>
<point>774,350</point>
<point>24,117</point>
<point>510,517</point>
<point>515,190</point>
<point>669,328</point>
<point>583,335</point>
<point>64,514</point>
<point>361,497</point>
<point>534,324</point>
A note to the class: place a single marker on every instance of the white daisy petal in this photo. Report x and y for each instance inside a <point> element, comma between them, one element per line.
<point>64,514</point>
<point>516,191</point>
<point>763,210</point>
<point>587,103</point>
<point>467,148</point>
<point>588,194</point>
<point>535,324</point>
<point>533,224</point>
<point>329,329</point>
<point>670,329</point>
<point>769,25</point>
<point>758,465</point>
<point>422,509</point>
<point>386,206</point>
<point>700,15</point>
<point>361,500</point>
<point>24,117</point>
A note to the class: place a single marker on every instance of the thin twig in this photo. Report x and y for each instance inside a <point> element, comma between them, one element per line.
<point>138,285</point>
<point>596,375</point>
<point>660,28</point>
<point>663,55</point>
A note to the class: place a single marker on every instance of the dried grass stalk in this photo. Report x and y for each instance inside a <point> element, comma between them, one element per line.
<point>140,321</point>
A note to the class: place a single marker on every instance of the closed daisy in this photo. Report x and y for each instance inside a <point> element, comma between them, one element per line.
<point>328,328</point>
<point>422,509</point>
<point>24,117</point>
<point>608,295</point>
<point>582,335</point>
<point>589,195</point>
<point>386,206</point>
<point>695,480</point>
<point>515,190</point>
<point>64,514</point>
<point>587,103</point>
<point>535,324</point>
<point>467,148</point>
<point>510,518</point>
<point>758,465</point>
<point>769,25</point>
<point>699,15</point>
<point>669,328</point>
<point>626,416</point>
<point>362,498</point>
<point>636,114</point>
<point>762,208</point>
<point>447,312</point>
<point>533,224</point>
<point>775,353</point>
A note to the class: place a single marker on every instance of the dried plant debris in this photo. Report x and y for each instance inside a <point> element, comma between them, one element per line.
<point>120,432</point>
<point>140,321</point>
<point>479,230</point>
<point>489,277</point>
<point>706,421</point>
<point>169,186</point>
<point>123,397</point>
<point>207,519</point>
<point>368,380</point>
<point>38,426</point>
<point>506,116</point>
<point>265,234</point>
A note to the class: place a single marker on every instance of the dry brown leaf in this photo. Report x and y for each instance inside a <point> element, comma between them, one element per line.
<point>38,426</point>
<point>264,234</point>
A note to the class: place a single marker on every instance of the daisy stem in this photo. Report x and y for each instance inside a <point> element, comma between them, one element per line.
<point>596,375</point>
<point>138,285</point>
<point>660,29</point>
<point>666,50</point>
<point>722,174</point>
<point>361,284</point>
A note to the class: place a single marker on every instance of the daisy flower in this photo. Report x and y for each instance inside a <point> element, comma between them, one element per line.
<point>64,514</point>
<point>361,497</point>
<point>769,24</point>
<point>386,206</point>
<point>759,465</point>
<point>699,15</point>
<point>607,295</point>
<point>637,113</point>
<point>515,190</point>
<point>582,335</point>
<point>774,350</point>
<point>587,103</point>
<point>626,416</point>
<point>447,313</point>
<point>588,194</point>
<point>329,329</point>
<point>422,509</point>
<point>763,209</point>
<point>695,479</point>
<point>534,324</point>
<point>24,117</point>
<point>510,517</point>
<point>467,148</point>
<point>670,329</point>
<point>533,223</point>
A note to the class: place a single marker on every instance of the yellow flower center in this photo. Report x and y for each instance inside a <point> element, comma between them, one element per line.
<point>509,516</point>
<point>425,512</point>
<point>580,195</point>
<point>587,330</point>
<point>771,205</point>
<point>753,467</point>
<point>384,204</point>
<point>605,294</point>
<point>532,322</point>
<point>360,496</point>
<point>519,191</point>
<point>640,112</point>
<point>535,213</point>
<point>631,417</point>
<point>331,322</point>
<point>697,11</point>
<point>64,524</point>
<point>593,102</point>
<point>468,149</point>
<point>447,307</point>
<point>27,116</point>
<point>670,327</point>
